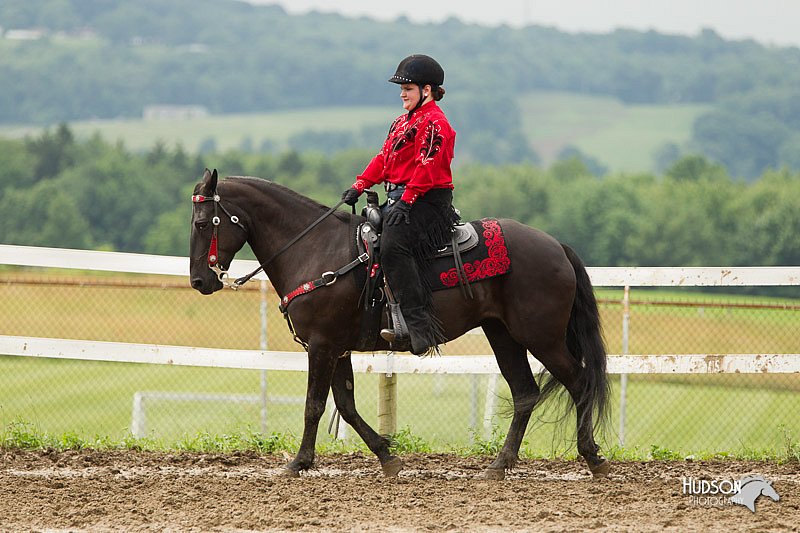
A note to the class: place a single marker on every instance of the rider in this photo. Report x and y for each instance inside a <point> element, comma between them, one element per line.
<point>414,166</point>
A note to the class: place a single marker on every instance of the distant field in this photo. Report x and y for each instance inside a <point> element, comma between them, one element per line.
<point>228,131</point>
<point>622,137</point>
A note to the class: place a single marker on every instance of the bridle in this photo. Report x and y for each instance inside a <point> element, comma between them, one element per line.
<point>213,257</point>
<point>213,254</point>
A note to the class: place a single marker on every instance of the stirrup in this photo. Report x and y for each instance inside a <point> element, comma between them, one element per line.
<point>391,336</point>
<point>397,332</point>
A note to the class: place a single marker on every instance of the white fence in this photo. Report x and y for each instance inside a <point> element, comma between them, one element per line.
<point>389,364</point>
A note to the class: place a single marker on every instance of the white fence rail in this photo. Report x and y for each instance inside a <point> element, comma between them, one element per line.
<point>120,352</point>
<point>601,276</point>
<point>269,360</point>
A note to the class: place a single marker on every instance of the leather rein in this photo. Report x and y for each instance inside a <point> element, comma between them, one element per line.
<point>213,257</point>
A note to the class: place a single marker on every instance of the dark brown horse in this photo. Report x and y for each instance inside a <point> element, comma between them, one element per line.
<point>544,305</point>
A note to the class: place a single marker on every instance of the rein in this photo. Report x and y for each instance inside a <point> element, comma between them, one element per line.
<point>213,257</point>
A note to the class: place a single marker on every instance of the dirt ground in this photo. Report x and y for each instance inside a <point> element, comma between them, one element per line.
<point>140,491</point>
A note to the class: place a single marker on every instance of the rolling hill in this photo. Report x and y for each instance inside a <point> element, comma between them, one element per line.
<point>623,137</point>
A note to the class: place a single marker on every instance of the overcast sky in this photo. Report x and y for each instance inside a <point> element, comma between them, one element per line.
<point>775,22</point>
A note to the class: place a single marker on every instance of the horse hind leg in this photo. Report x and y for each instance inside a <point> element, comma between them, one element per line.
<point>343,396</point>
<point>563,367</point>
<point>512,359</point>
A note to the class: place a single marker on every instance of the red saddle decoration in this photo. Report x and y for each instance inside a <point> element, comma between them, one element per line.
<point>487,260</point>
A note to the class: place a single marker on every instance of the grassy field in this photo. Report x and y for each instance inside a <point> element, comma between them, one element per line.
<point>228,131</point>
<point>622,137</point>
<point>691,414</point>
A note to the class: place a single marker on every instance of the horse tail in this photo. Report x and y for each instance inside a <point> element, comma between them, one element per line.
<point>585,343</point>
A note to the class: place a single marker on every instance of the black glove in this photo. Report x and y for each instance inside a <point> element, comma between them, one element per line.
<point>400,212</point>
<point>350,196</point>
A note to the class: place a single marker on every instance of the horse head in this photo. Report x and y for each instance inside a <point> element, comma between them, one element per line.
<point>769,491</point>
<point>217,234</point>
<point>751,488</point>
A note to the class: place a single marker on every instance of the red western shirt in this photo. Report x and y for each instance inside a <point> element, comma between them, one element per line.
<point>417,153</point>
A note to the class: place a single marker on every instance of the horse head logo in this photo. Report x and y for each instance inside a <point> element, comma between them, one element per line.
<point>750,489</point>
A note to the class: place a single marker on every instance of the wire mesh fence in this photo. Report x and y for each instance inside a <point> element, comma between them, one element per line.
<point>686,413</point>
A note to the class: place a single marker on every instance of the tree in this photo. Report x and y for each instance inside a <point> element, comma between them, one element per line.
<point>290,164</point>
<point>665,155</point>
<point>57,219</point>
<point>590,163</point>
<point>694,168</point>
<point>52,151</point>
<point>746,144</point>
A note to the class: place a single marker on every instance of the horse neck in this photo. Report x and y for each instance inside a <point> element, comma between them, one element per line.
<point>277,215</point>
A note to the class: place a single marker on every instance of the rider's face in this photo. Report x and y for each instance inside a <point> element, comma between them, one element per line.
<point>409,94</point>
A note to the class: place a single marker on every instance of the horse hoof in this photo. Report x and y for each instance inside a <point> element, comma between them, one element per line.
<point>495,474</point>
<point>392,467</point>
<point>601,470</point>
<point>289,472</point>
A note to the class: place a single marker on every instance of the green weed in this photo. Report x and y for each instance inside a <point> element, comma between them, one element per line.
<point>405,442</point>
<point>660,453</point>
<point>791,445</point>
<point>486,446</point>
<point>23,435</point>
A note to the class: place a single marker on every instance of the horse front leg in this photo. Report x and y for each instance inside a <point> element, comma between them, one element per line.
<point>344,396</point>
<point>321,362</point>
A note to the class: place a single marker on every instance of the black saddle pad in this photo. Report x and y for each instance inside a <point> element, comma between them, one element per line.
<point>486,260</point>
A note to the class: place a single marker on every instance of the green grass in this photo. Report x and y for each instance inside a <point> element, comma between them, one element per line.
<point>92,402</point>
<point>622,137</point>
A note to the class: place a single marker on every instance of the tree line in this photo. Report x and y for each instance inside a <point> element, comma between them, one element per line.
<point>61,192</point>
<point>236,57</point>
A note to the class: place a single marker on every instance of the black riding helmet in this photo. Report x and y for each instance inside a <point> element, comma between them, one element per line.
<point>421,70</point>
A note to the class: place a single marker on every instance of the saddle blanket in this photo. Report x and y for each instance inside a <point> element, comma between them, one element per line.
<point>487,260</point>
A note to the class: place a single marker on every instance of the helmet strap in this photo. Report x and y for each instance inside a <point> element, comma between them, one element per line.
<point>421,99</point>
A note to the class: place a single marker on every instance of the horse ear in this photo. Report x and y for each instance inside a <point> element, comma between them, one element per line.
<point>209,182</point>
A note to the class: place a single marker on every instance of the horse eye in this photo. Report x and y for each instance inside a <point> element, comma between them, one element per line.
<point>201,224</point>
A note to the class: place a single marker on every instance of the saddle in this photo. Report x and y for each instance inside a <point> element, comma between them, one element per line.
<point>464,238</point>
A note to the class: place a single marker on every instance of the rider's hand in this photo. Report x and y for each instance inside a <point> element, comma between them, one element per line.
<point>350,196</point>
<point>400,212</point>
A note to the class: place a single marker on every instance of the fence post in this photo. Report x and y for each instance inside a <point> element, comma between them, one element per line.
<point>263,311</point>
<point>138,424</point>
<point>387,400</point>
<point>489,405</point>
<point>623,378</point>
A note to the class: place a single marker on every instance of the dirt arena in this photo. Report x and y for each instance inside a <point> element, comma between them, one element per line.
<point>139,491</point>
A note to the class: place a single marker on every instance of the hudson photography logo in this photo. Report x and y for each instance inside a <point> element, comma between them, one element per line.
<point>728,492</point>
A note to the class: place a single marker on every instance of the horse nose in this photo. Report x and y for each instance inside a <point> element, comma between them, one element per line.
<point>197,283</point>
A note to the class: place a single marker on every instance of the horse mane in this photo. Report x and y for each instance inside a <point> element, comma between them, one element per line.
<point>266,185</point>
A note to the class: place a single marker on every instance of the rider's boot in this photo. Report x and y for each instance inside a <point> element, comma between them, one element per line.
<point>421,330</point>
